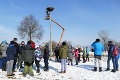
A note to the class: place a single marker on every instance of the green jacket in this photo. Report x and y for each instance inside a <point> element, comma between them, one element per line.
<point>63,52</point>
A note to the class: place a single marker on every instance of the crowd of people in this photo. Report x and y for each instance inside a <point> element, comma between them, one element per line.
<point>14,55</point>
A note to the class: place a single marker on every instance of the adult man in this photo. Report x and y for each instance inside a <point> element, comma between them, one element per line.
<point>46,57</point>
<point>28,58</point>
<point>17,52</point>
<point>111,56</point>
<point>98,49</point>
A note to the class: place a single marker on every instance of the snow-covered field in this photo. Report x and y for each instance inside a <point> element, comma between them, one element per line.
<point>83,71</point>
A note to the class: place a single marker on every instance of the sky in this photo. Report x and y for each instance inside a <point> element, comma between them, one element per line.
<point>82,19</point>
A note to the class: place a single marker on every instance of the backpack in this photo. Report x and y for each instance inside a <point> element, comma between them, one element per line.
<point>115,51</point>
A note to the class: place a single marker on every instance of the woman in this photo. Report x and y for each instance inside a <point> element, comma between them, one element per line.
<point>63,56</point>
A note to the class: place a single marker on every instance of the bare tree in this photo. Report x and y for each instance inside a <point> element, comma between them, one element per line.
<point>29,28</point>
<point>104,36</point>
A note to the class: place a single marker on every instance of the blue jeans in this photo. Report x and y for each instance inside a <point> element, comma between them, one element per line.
<point>63,64</point>
<point>76,61</point>
<point>116,63</point>
<point>46,62</point>
<point>4,61</point>
<point>113,61</point>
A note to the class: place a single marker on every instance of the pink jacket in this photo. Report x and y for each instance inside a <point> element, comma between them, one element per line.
<point>76,53</point>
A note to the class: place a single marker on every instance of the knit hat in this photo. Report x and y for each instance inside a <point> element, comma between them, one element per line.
<point>12,42</point>
<point>97,40</point>
<point>4,42</point>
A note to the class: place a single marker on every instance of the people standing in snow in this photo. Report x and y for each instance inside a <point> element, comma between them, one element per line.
<point>0,52</point>
<point>116,60</point>
<point>98,49</point>
<point>84,54</point>
<point>79,53</point>
<point>17,52</point>
<point>4,46</point>
<point>11,56</point>
<point>111,56</point>
<point>57,53</point>
<point>87,53</point>
<point>63,56</point>
<point>76,55</point>
<point>38,56</point>
<point>21,53</point>
<point>28,59</point>
<point>70,55</point>
<point>46,58</point>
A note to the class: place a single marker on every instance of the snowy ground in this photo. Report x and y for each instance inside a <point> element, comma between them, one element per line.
<point>83,71</point>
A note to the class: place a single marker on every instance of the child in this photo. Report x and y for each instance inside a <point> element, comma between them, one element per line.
<point>38,57</point>
<point>76,55</point>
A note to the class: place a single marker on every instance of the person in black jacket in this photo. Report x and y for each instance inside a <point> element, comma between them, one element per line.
<point>46,57</point>
<point>21,53</point>
<point>28,59</point>
<point>17,52</point>
<point>57,53</point>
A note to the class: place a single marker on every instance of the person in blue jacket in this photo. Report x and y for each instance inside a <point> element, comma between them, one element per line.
<point>111,56</point>
<point>11,56</point>
<point>116,61</point>
<point>98,49</point>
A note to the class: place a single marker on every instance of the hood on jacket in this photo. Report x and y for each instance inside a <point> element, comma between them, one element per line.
<point>65,47</point>
<point>28,46</point>
<point>10,46</point>
<point>4,42</point>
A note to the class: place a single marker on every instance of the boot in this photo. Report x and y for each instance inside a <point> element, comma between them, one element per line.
<point>100,69</point>
<point>113,70</point>
<point>38,70</point>
<point>61,72</point>
<point>95,69</point>
<point>64,71</point>
<point>107,69</point>
<point>117,69</point>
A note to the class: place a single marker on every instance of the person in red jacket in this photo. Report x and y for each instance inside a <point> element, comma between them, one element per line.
<point>32,44</point>
<point>76,55</point>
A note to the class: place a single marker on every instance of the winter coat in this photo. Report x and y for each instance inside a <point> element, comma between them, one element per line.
<point>84,52</point>
<point>11,53</point>
<point>110,50</point>
<point>0,52</point>
<point>28,54</point>
<point>56,51</point>
<point>70,54</point>
<point>46,53</point>
<point>98,48</point>
<point>3,49</point>
<point>22,48</point>
<point>63,52</point>
<point>17,48</point>
<point>76,53</point>
<point>87,50</point>
<point>38,55</point>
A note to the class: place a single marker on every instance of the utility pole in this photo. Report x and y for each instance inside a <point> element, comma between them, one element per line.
<point>48,17</point>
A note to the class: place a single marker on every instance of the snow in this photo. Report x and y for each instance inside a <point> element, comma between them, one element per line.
<point>82,71</point>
